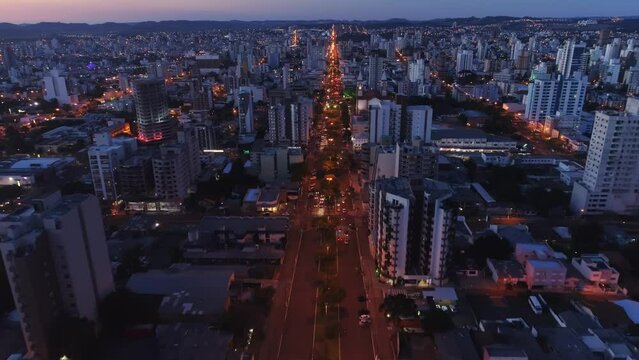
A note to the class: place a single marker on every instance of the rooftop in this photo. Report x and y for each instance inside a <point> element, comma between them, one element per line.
<point>500,350</point>
<point>438,134</point>
<point>192,290</point>
<point>546,264</point>
<point>243,224</point>
<point>397,186</point>
<point>190,341</point>
<point>268,196</point>
<point>32,163</point>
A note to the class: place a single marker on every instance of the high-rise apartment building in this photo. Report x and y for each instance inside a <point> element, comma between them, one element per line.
<point>105,156</point>
<point>152,111</point>
<point>438,230</point>
<point>54,87</point>
<point>464,61</point>
<point>171,172</point>
<point>412,229</point>
<point>375,71</point>
<point>550,95</point>
<point>572,57</point>
<point>187,136</point>
<point>541,100</point>
<point>572,95</point>
<point>56,260</point>
<point>384,121</point>
<point>419,122</point>
<point>416,160</point>
<point>31,275</point>
<point>246,121</point>
<point>391,230</point>
<point>276,124</point>
<point>613,50</point>
<point>416,70</point>
<point>611,176</point>
<point>135,176</point>
<point>301,121</point>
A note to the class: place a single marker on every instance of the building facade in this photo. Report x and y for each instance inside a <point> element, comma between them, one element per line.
<point>152,111</point>
<point>611,177</point>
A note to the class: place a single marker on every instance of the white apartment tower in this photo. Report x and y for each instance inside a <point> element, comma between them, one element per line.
<point>543,91</point>
<point>416,70</point>
<point>464,61</point>
<point>611,176</point>
<point>105,156</point>
<point>301,121</point>
<point>572,57</point>
<point>54,86</point>
<point>549,95</point>
<point>77,241</point>
<point>419,122</point>
<point>246,119</point>
<point>276,124</point>
<point>56,259</point>
<point>384,121</point>
<point>438,230</point>
<point>391,213</point>
<point>572,95</point>
<point>375,70</point>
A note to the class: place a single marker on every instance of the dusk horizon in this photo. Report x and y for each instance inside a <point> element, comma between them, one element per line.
<point>319,180</point>
<point>93,12</point>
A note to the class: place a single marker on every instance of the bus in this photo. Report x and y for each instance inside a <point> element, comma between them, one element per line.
<point>535,305</point>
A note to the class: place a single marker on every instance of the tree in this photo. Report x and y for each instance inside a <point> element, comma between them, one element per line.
<point>505,182</point>
<point>72,337</point>
<point>463,119</point>
<point>298,171</point>
<point>437,321</point>
<point>122,309</point>
<point>491,246</point>
<point>398,305</point>
<point>471,168</point>
<point>6,297</point>
<point>14,142</point>
<point>130,262</point>
<point>332,294</point>
<point>11,192</point>
<point>544,199</point>
<point>586,235</point>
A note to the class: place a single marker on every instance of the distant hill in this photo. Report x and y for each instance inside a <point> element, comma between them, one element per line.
<point>46,29</point>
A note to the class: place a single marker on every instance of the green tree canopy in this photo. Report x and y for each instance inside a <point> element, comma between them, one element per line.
<point>436,321</point>
<point>491,245</point>
<point>398,305</point>
<point>586,235</point>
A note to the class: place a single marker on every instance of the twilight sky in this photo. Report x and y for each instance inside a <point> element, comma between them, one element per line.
<point>96,11</point>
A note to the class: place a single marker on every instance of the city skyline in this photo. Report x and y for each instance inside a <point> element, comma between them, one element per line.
<point>33,11</point>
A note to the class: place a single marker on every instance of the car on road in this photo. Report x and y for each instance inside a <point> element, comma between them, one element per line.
<point>364,319</point>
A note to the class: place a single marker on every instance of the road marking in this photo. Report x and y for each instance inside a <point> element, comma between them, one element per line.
<point>319,263</point>
<point>290,290</point>
<point>364,280</point>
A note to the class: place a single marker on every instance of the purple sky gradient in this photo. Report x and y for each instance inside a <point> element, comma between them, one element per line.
<point>97,11</point>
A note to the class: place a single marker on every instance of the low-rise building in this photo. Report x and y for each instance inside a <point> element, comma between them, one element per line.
<point>533,251</point>
<point>596,268</point>
<point>545,274</point>
<point>506,272</point>
<point>32,171</point>
<point>189,292</point>
<point>470,140</point>
<point>268,201</point>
